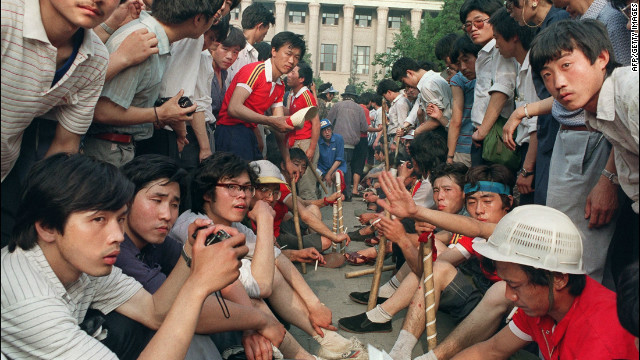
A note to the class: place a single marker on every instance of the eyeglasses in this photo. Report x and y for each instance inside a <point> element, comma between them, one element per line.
<point>478,23</point>
<point>267,192</point>
<point>237,190</point>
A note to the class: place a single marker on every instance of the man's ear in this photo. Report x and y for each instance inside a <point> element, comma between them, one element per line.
<point>602,60</point>
<point>560,281</point>
<point>46,233</point>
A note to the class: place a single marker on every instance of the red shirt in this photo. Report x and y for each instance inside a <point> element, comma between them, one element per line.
<point>368,117</point>
<point>590,330</point>
<point>264,93</point>
<point>281,210</point>
<point>464,244</point>
<point>304,98</point>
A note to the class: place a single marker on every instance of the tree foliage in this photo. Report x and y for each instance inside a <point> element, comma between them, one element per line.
<point>422,46</point>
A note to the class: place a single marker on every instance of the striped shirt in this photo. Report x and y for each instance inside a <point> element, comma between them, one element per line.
<point>28,67</point>
<point>463,145</point>
<point>304,98</point>
<point>40,316</point>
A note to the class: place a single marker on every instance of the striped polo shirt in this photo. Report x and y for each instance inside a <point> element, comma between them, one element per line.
<point>28,66</point>
<point>304,98</point>
<point>40,317</point>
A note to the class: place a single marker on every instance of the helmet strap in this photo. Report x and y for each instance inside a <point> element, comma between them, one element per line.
<point>551,298</point>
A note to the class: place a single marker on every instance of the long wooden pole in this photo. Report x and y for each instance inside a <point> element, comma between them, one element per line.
<point>369,271</point>
<point>296,221</point>
<point>382,245</point>
<point>340,217</point>
<point>429,293</point>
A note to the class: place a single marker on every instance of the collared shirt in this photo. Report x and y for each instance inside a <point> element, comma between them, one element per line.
<point>433,90</point>
<point>617,119</point>
<point>150,265</point>
<point>589,330</point>
<point>137,85</point>
<point>493,73</point>
<point>349,121</point>
<point>182,68</point>
<point>40,316</point>
<point>202,95</point>
<point>246,56</point>
<point>302,99</point>
<point>28,68</point>
<point>525,94</point>
<point>463,145</point>
<point>398,112</point>
<point>264,93</point>
<point>330,153</point>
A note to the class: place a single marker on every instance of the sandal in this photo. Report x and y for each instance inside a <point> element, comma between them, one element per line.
<point>372,241</point>
<point>353,257</point>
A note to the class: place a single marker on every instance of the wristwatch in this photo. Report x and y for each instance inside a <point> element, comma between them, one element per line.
<point>611,176</point>
<point>525,173</point>
<point>186,257</point>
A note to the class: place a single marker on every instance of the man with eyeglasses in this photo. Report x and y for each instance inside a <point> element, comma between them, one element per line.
<point>495,75</point>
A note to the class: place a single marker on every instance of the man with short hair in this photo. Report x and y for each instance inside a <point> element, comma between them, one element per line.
<point>331,151</point>
<point>60,263</point>
<point>326,92</point>
<point>299,79</point>
<point>398,110</point>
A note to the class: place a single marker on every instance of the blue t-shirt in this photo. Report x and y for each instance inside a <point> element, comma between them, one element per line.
<point>466,129</point>
<point>330,153</point>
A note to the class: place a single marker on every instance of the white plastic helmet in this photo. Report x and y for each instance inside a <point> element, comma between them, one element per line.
<point>537,236</point>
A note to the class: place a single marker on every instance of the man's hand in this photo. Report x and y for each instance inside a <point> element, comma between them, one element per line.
<point>342,238</point>
<point>335,196</point>
<point>293,170</point>
<point>478,136</point>
<point>404,171</point>
<point>310,153</point>
<point>399,201</point>
<point>400,132</point>
<point>307,255</point>
<point>434,112</point>
<point>125,12</point>
<point>171,111</point>
<point>261,208</point>
<point>204,153</point>
<point>370,197</point>
<point>392,230</point>
<point>279,123</point>
<point>510,127</point>
<point>524,184</point>
<point>274,331</point>
<point>422,227</point>
<point>602,203</point>
<point>328,178</point>
<point>366,218</point>
<point>256,346</point>
<point>320,318</point>
<point>137,47</point>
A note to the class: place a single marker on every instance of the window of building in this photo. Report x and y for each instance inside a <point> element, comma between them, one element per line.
<point>296,16</point>
<point>361,59</point>
<point>328,57</point>
<point>235,14</point>
<point>394,22</point>
<point>363,20</point>
<point>330,18</point>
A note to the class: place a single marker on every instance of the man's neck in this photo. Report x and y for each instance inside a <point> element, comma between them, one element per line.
<point>563,301</point>
<point>294,90</point>
<point>174,32</point>
<point>275,73</point>
<point>135,239</point>
<point>521,54</point>
<point>59,30</point>
<point>65,272</point>
<point>218,220</point>
<point>250,35</point>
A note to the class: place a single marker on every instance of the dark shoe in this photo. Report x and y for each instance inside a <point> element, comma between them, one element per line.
<point>347,199</point>
<point>363,297</point>
<point>356,236</point>
<point>360,324</point>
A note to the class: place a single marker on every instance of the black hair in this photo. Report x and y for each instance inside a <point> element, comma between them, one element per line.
<point>61,185</point>
<point>444,46</point>
<point>305,71</point>
<point>627,298</point>
<point>179,11</point>
<point>401,66</point>
<point>428,149</point>
<point>386,85</point>
<point>376,99</point>
<point>235,38</point>
<point>256,14</point>
<point>221,29</point>
<point>234,4</point>
<point>287,37</point>
<point>264,50</point>
<point>427,65</point>
<point>485,6</point>
<point>462,46</point>
<point>145,169</point>
<point>589,36</point>
<point>496,173</point>
<point>211,170</point>
<point>507,27</point>
<point>322,88</point>
<point>576,282</point>
<point>456,171</point>
<point>298,154</point>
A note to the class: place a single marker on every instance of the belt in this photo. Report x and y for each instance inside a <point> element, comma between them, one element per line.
<point>577,128</point>
<point>119,138</point>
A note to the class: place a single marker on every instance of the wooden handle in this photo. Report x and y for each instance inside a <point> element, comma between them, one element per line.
<point>296,221</point>
<point>369,271</point>
<point>429,294</point>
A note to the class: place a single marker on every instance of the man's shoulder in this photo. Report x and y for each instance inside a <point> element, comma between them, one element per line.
<point>22,278</point>
<point>12,11</point>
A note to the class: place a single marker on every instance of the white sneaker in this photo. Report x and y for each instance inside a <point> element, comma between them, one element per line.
<point>355,350</point>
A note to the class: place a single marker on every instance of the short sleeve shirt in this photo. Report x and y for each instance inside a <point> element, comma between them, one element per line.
<point>264,93</point>
<point>304,98</point>
<point>463,145</point>
<point>41,317</point>
<point>464,244</point>
<point>330,153</point>
<point>589,330</point>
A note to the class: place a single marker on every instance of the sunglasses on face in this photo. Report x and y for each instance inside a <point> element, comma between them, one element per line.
<point>478,23</point>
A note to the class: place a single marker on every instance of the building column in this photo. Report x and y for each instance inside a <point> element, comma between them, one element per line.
<point>347,38</point>
<point>281,16</point>
<point>243,5</point>
<point>381,41</point>
<point>416,16</point>
<point>312,41</point>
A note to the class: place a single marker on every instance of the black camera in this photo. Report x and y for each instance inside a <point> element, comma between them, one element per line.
<point>184,102</point>
<point>212,238</point>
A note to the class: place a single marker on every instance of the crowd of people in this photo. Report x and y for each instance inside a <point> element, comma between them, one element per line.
<point>155,187</point>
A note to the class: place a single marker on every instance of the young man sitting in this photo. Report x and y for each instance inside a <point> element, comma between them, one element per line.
<point>59,264</point>
<point>331,159</point>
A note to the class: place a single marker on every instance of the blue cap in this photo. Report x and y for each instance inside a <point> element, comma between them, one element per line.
<point>324,123</point>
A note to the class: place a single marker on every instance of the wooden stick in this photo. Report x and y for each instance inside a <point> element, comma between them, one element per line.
<point>340,217</point>
<point>296,221</point>
<point>382,245</point>
<point>429,293</point>
<point>335,225</point>
<point>369,271</point>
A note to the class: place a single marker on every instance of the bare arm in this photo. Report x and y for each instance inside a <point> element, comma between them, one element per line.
<point>262,263</point>
<point>496,103</point>
<point>238,110</point>
<point>199,127</point>
<point>456,120</point>
<point>109,113</point>
<point>542,107</point>
<point>502,345</point>
<point>64,141</point>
